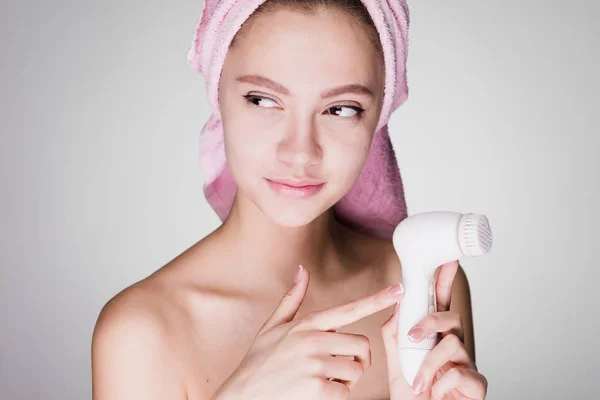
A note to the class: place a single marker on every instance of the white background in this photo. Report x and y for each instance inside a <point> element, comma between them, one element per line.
<point>100,181</point>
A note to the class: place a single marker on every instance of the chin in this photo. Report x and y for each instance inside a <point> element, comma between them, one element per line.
<point>287,211</point>
<point>294,213</point>
<point>291,217</point>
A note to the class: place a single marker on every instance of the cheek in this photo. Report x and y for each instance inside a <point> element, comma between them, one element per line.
<point>246,147</point>
<point>348,158</point>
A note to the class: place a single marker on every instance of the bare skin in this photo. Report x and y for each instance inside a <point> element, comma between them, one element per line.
<point>209,321</point>
<point>180,332</point>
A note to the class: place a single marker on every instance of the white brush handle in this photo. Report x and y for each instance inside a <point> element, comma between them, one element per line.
<point>423,243</point>
<point>418,301</point>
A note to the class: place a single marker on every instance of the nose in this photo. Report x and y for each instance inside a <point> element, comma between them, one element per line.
<point>299,148</point>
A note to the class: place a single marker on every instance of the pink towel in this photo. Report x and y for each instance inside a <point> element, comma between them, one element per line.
<point>375,205</point>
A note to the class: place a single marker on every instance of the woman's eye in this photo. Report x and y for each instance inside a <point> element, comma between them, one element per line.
<point>354,112</point>
<point>257,99</point>
<point>351,112</point>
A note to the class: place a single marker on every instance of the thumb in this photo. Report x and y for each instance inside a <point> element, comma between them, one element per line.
<point>290,303</point>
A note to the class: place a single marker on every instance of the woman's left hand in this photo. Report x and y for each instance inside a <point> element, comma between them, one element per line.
<point>447,373</point>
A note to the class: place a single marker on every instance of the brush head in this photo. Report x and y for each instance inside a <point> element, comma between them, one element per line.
<point>474,235</point>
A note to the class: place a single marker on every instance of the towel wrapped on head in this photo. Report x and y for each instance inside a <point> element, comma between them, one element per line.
<point>375,204</point>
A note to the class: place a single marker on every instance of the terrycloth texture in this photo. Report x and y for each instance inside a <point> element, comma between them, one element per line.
<point>375,205</point>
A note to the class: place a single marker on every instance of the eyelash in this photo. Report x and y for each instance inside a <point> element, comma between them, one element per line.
<point>358,116</point>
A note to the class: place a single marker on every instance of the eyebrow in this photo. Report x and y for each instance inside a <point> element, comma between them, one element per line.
<point>279,88</point>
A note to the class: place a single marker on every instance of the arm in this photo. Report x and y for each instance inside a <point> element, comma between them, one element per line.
<point>131,357</point>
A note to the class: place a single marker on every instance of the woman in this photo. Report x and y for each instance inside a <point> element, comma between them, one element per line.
<point>236,316</point>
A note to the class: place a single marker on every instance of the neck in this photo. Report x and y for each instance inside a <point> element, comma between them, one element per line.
<point>258,247</point>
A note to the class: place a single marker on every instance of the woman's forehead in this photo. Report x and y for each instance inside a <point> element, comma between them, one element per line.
<point>300,48</point>
<point>298,35</point>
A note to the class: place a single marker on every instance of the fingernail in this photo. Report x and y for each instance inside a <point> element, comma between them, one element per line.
<point>415,333</point>
<point>418,385</point>
<point>298,274</point>
<point>396,290</point>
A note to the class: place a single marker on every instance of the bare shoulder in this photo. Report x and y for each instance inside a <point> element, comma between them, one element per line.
<point>133,354</point>
<point>138,309</point>
<point>158,338</point>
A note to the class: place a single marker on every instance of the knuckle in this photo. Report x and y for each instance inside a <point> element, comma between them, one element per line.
<point>454,340</point>
<point>317,366</point>
<point>457,319</point>
<point>319,385</point>
<point>457,316</point>
<point>322,385</point>
<point>308,336</point>
<point>359,370</point>
<point>367,354</point>
<point>364,348</point>
<point>364,342</point>
<point>332,391</point>
<point>456,374</point>
<point>433,319</point>
<point>309,342</point>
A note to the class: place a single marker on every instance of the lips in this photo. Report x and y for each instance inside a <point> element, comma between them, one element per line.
<point>295,189</point>
<point>297,184</point>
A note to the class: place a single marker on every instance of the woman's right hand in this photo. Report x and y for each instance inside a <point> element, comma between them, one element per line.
<point>296,359</point>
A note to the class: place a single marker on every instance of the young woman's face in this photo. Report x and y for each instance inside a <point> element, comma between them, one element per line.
<point>296,123</point>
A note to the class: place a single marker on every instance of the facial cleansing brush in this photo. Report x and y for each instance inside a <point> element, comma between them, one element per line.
<point>423,243</point>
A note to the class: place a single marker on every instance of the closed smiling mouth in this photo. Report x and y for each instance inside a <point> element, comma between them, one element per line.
<point>297,184</point>
<point>295,189</point>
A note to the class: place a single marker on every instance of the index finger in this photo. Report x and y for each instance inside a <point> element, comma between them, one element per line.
<point>338,316</point>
